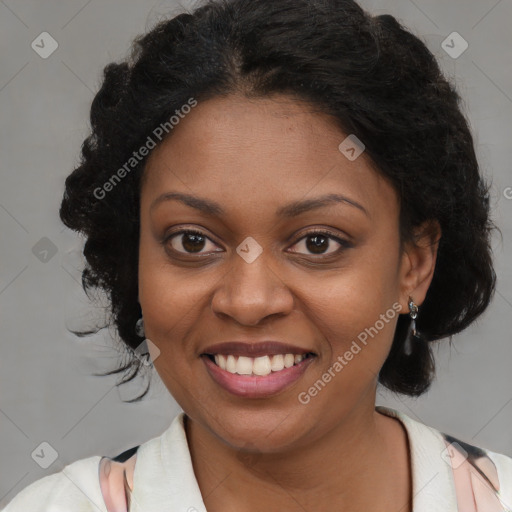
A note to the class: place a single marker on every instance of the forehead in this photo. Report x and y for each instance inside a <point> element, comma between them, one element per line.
<point>264,150</point>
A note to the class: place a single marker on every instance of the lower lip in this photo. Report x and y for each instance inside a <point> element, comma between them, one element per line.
<point>255,386</point>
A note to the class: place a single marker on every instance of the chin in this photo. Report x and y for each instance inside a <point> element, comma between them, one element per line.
<point>257,426</point>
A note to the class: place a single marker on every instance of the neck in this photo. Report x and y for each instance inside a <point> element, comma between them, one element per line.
<point>362,462</point>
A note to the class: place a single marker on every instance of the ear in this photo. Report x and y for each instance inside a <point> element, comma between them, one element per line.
<point>418,262</point>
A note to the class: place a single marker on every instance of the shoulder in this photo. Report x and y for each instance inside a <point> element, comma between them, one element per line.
<point>86,485</point>
<point>466,474</point>
<point>76,487</point>
<point>479,472</point>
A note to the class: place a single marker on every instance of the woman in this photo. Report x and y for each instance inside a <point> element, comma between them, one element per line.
<point>283,202</point>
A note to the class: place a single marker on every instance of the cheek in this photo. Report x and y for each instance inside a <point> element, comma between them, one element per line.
<point>357,331</point>
<point>172,303</point>
<point>347,319</point>
<point>170,300</point>
<point>356,305</point>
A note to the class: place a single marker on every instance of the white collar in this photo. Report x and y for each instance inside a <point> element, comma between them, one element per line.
<point>164,478</point>
<point>433,486</point>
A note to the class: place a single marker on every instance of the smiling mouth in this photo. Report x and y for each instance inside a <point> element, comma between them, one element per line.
<point>257,366</point>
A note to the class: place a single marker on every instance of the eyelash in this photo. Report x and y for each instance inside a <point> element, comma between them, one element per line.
<point>344,244</point>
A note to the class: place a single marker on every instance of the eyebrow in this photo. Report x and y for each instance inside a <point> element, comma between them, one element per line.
<point>290,210</point>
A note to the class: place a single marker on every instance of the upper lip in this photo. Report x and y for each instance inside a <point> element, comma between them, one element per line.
<point>254,349</point>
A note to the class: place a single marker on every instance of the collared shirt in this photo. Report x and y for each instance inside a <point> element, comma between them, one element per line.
<point>448,475</point>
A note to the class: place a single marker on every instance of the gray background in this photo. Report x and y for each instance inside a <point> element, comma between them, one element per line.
<point>47,391</point>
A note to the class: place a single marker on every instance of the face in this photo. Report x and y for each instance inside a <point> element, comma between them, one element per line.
<point>253,253</point>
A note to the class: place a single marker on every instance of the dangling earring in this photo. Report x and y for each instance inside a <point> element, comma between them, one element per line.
<point>139,327</point>
<point>412,333</point>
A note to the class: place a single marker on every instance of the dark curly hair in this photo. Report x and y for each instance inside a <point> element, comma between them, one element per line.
<point>377,81</point>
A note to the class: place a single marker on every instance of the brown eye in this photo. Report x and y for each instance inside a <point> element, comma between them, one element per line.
<point>189,242</point>
<point>319,242</point>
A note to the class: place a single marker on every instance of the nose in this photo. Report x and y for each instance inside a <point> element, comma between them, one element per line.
<point>251,292</point>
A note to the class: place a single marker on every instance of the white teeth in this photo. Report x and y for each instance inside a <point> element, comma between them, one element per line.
<point>231,364</point>
<point>277,363</point>
<point>289,359</point>
<point>261,366</point>
<point>244,365</point>
<point>220,360</point>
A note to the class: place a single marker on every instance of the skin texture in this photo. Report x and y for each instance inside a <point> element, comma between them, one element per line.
<point>253,156</point>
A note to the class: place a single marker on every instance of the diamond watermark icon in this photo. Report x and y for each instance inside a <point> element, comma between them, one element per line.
<point>454,45</point>
<point>249,455</point>
<point>44,250</point>
<point>352,147</point>
<point>454,455</point>
<point>249,249</point>
<point>44,45</point>
<point>45,455</point>
<point>147,352</point>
